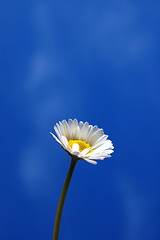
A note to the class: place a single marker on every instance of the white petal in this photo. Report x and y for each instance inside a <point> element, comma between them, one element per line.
<point>98,156</point>
<point>75,129</point>
<point>66,129</point>
<point>58,132</point>
<point>96,136</point>
<point>65,143</point>
<point>80,124</point>
<point>109,151</point>
<point>91,133</point>
<point>70,127</point>
<point>109,143</point>
<point>85,151</point>
<point>62,129</point>
<point>95,157</point>
<point>55,138</point>
<point>103,148</point>
<point>90,161</point>
<point>100,141</point>
<point>84,131</point>
<point>75,147</point>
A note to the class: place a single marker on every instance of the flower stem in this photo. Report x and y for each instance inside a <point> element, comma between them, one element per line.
<point>62,199</point>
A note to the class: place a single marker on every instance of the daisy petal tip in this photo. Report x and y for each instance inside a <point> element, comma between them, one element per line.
<point>55,138</point>
<point>52,134</point>
<point>93,162</point>
<point>90,161</point>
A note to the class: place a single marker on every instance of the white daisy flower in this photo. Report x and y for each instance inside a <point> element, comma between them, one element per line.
<point>83,141</point>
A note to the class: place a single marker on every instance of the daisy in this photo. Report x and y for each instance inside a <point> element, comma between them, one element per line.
<point>83,141</point>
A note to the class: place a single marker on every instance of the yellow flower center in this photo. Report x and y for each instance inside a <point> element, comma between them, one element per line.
<point>82,144</point>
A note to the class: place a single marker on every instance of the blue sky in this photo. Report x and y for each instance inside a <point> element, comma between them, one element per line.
<point>96,61</point>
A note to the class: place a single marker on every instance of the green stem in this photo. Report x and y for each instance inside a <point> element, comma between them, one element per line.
<point>62,199</point>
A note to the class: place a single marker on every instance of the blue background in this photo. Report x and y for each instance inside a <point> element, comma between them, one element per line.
<point>97,61</point>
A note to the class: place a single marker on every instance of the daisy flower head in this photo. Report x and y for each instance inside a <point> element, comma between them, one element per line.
<point>83,141</point>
